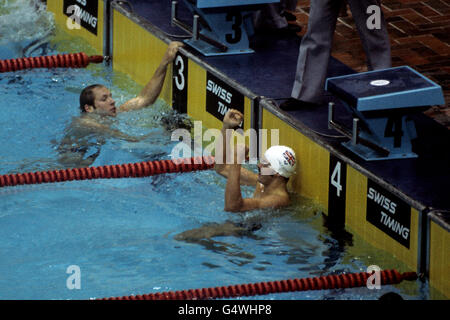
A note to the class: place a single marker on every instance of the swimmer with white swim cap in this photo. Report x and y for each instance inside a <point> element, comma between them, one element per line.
<point>275,168</point>
<point>280,159</point>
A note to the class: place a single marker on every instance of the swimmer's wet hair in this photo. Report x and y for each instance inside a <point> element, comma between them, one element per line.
<point>87,96</point>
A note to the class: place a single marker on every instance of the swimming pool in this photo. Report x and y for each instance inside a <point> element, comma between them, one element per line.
<point>120,232</point>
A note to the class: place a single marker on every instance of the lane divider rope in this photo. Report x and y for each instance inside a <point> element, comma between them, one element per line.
<point>139,169</point>
<point>69,60</point>
<point>349,280</point>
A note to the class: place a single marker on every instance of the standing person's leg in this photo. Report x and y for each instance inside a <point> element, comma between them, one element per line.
<point>269,17</point>
<point>314,54</point>
<point>375,41</point>
<point>272,17</point>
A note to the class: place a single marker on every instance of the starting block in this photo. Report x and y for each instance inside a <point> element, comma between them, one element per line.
<point>381,103</point>
<point>220,27</point>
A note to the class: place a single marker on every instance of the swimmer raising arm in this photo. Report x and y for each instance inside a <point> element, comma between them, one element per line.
<point>231,121</point>
<point>96,102</point>
<point>97,99</point>
<point>153,88</point>
<point>275,168</point>
<point>271,196</point>
<point>97,107</point>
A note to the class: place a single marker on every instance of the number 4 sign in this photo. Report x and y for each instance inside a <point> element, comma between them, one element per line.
<point>337,191</point>
<point>336,179</point>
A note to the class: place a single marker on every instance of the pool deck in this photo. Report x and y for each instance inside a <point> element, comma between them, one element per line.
<point>269,72</point>
<point>420,37</point>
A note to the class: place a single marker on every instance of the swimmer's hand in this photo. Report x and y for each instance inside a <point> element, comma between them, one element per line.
<point>171,52</point>
<point>232,119</point>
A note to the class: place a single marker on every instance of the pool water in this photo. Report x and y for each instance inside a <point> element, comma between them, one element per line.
<point>120,233</point>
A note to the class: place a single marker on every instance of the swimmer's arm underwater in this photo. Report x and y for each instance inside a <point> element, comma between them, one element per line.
<point>106,130</point>
<point>151,91</point>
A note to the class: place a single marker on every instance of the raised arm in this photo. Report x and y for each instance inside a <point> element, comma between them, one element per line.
<point>231,121</point>
<point>153,88</point>
<point>234,201</point>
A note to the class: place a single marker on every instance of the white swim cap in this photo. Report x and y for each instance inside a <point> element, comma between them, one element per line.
<point>281,159</point>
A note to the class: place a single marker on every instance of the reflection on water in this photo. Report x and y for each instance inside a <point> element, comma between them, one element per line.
<point>80,145</point>
<point>204,236</point>
<point>299,234</point>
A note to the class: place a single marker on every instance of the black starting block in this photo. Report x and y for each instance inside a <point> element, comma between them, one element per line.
<point>381,103</point>
<point>220,27</point>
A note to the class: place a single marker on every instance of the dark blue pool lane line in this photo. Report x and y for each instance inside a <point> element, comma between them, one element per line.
<point>270,72</point>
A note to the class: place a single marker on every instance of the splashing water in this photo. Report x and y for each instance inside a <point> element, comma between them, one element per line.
<point>24,20</point>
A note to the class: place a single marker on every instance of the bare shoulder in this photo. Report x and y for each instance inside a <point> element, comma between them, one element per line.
<point>270,201</point>
<point>89,122</point>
